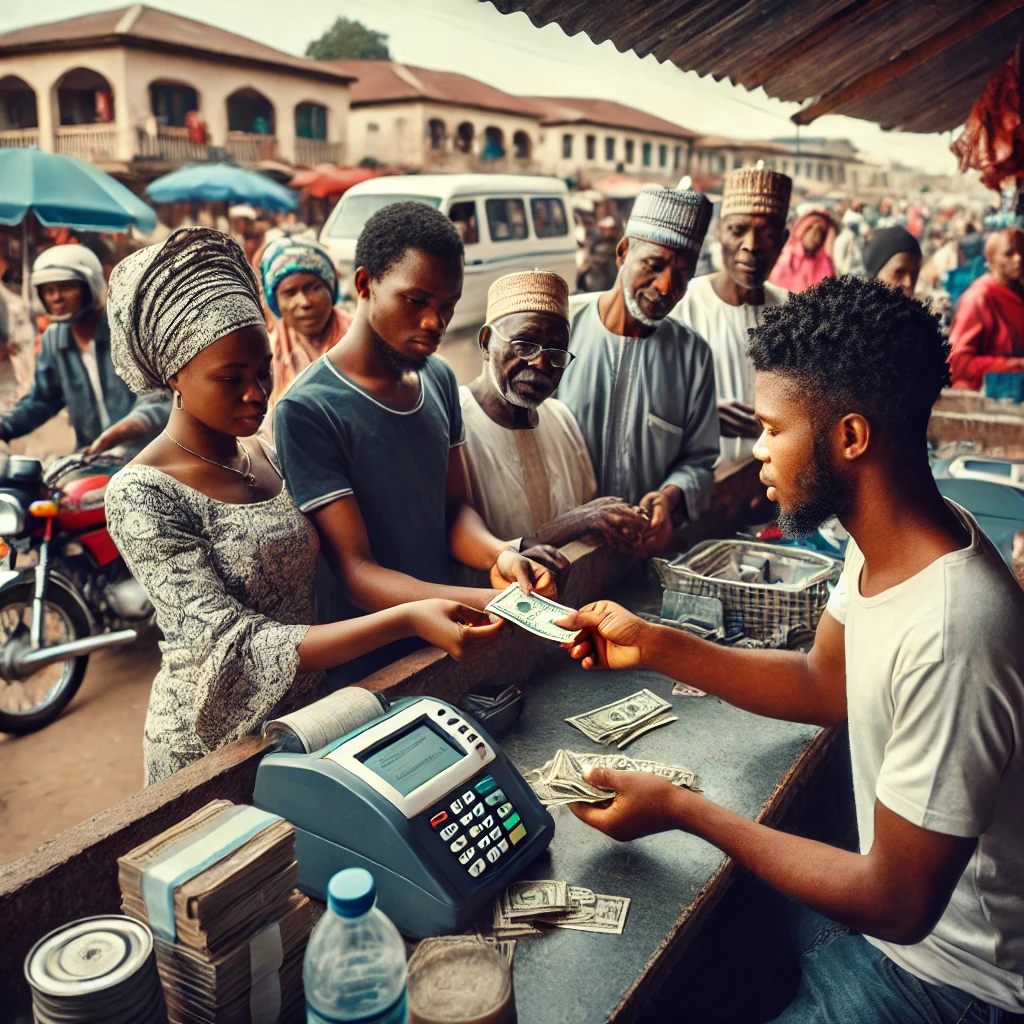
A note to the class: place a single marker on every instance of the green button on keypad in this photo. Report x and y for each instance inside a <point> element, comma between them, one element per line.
<point>511,821</point>
<point>485,785</point>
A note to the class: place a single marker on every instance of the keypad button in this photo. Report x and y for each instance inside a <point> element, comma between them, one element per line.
<point>466,856</point>
<point>458,844</point>
<point>449,830</point>
<point>439,819</point>
<point>504,810</point>
<point>519,832</point>
<point>455,806</point>
<point>495,833</point>
<point>485,785</point>
<point>441,712</point>
<point>475,830</point>
<point>468,797</point>
<point>466,818</point>
<point>483,842</point>
<point>503,846</point>
<point>452,721</point>
<point>493,854</point>
<point>511,821</point>
<point>462,729</point>
<point>497,797</point>
<point>476,869</point>
<point>488,822</point>
<point>471,737</point>
<point>478,811</point>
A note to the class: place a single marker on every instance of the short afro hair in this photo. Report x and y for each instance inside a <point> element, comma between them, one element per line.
<point>858,346</point>
<point>400,226</point>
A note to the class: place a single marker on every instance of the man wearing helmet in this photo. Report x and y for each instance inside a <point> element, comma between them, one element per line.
<point>74,370</point>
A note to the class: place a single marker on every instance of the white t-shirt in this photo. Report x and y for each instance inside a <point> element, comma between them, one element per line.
<point>521,479</point>
<point>92,370</point>
<point>935,697</point>
<point>725,328</point>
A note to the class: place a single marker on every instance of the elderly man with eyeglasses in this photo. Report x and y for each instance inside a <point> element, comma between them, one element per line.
<point>529,470</point>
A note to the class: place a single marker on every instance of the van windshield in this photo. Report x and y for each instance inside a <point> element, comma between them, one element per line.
<point>357,210</point>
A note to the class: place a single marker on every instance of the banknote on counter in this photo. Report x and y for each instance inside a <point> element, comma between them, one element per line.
<point>561,780</point>
<point>686,690</point>
<point>622,721</point>
<point>533,612</point>
<point>582,910</point>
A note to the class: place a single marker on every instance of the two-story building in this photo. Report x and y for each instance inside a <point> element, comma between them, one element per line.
<point>586,138</point>
<point>424,120</point>
<point>138,84</point>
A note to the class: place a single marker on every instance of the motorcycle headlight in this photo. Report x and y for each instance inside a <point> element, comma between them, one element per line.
<point>12,517</point>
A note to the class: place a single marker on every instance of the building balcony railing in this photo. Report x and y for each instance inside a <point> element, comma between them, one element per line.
<point>318,151</point>
<point>171,144</point>
<point>19,138</point>
<point>87,141</point>
<point>250,148</point>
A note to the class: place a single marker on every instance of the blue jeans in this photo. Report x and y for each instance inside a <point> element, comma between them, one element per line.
<point>846,980</point>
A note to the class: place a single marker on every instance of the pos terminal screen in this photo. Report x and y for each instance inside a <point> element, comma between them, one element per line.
<point>412,758</point>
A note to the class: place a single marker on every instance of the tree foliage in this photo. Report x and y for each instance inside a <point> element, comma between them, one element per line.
<point>347,39</point>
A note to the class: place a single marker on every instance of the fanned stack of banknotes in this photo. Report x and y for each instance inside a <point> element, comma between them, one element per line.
<point>549,904</point>
<point>619,723</point>
<point>561,780</point>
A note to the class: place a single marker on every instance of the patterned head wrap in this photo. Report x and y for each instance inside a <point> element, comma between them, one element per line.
<point>168,302</point>
<point>676,218</point>
<point>290,255</point>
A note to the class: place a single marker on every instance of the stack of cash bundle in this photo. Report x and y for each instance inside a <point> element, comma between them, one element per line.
<point>561,780</point>
<point>619,723</point>
<point>526,908</point>
<point>218,890</point>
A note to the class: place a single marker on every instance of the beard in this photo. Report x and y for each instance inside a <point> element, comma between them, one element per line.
<point>826,494</point>
<point>509,394</point>
<point>634,310</point>
<point>397,363</point>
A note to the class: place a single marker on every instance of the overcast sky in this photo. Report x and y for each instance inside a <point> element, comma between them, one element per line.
<point>508,52</point>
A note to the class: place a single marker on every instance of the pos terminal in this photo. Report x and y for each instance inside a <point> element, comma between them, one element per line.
<point>424,800</point>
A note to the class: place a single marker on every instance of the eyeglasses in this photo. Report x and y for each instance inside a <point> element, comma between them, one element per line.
<point>530,351</point>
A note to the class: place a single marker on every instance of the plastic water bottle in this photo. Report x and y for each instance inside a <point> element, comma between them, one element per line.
<point>354,969</point>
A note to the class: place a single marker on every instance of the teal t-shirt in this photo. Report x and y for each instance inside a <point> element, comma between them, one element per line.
<point>335,439</point>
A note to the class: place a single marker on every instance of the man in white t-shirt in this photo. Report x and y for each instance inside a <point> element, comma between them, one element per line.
<point>529,471</point>
<point>722,307</point>
<point>921,650</point>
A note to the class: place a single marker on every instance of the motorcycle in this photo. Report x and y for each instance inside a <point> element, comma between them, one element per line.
<point>65,590</point>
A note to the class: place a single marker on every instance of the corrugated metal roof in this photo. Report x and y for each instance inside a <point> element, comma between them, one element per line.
<point>918,65</point>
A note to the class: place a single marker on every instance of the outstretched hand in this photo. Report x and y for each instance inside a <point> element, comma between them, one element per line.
<point>644,804</point>
<point>459,630</point>
<point>513,567</point>
<point>611,637</point>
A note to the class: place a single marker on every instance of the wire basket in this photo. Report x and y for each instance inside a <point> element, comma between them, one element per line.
<point>796,592</point>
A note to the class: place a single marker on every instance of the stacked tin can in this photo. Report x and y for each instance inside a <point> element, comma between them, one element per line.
<point>98,969</point>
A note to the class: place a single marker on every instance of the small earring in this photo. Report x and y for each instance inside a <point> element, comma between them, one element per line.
<point>177,399</point>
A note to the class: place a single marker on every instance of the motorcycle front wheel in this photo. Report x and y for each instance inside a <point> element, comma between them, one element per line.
<point>29,704</point>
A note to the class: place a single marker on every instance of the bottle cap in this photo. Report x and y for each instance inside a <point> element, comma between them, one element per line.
<point>351,893</point>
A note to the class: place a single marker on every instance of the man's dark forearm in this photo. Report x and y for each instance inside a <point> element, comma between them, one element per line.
<point>776,684</point>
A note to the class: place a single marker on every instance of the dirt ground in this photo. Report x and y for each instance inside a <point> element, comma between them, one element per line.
<point>91,757</point>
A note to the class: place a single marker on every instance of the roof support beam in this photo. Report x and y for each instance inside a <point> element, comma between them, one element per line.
<point>975,22</point>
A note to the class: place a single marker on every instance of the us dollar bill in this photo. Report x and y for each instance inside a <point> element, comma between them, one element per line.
<point>621,721</point>
<point>532,612</point>
<point>585,911</point>
<point>531,899</point>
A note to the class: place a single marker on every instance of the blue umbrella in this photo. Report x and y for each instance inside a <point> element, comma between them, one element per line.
<point>221,182</point>
<point>68,193</point>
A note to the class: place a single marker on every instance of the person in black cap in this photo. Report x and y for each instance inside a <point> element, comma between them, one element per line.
<point>893,256</point>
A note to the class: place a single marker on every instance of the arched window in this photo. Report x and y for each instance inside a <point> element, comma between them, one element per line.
<point>85,97</point>
<point>18,108</point>
<point>494,143</point>
<point>464,137</point>
<point>437,133</point>
<point>251,112</point>
<point>521,146</point>
<point>170,102</point>
<point>311,121</point>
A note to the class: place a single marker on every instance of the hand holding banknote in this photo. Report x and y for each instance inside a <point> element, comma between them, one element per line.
<point>643,805</point>
<point>611,637</point>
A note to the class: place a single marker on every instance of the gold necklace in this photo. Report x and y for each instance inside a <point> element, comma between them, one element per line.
<point>245,474</point>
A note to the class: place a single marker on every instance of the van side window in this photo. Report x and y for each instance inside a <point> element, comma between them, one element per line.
<point>548,218</point>
<point>463,216</point>
<point>507,219</point>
